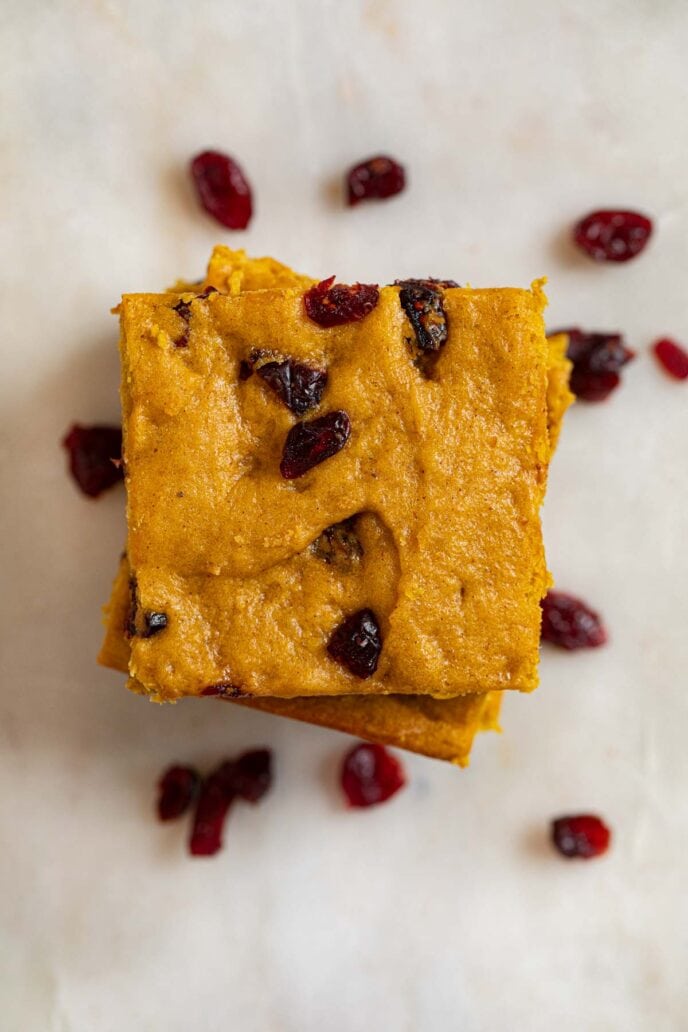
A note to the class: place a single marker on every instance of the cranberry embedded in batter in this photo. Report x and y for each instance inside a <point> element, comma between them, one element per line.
<point>339,545</point>
<point>357,643</point>
<point>333,305</point>
<point>311,442</point>
<point>154,623</point>
<point>297,385</point>
<point>423,304</point>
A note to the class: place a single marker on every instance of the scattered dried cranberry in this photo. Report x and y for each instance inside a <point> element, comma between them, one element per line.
<point>183,310</point>
<point>217,793</point>
<point>673,358</point>
<point>329,305</point>
<point>223,189</point>
<point>357,643</point>
<point>310,443</point>
<point>582,836</point>
<point>95,457</point>
<point>339,544</point>
<point>613,236</point>
<point>597,361</point>
<point>570,623</point>
<point>423,304</point>
<point>245,370</point>
<point>370,775</point>
<point>299,386</point>
<point>377,178</point>
<point>177,789</point>
<point>252,775</point>
<point>155,622</point>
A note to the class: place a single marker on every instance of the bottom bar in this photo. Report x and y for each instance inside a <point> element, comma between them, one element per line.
<point>441,728</point>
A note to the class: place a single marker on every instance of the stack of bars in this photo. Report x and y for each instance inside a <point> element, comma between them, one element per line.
<point>389,584</point>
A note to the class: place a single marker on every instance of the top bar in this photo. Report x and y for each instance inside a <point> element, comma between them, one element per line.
<point>409,559</point>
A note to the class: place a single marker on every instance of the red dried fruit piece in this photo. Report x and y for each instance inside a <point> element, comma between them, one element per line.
<point>154,623</point>
<point>223,189</point>
<point>371,775</point>
<point>376,178</point>
<point>338,545</point>
<point>310,443</point>
<point>570,623</point>
<point>130,624</point>
<point>356,643</point>
<point>248,778</point>
<point>252,776</point>
<point>183,310</point>
<point>329,305</point>
<point>177,789</point>
<point>215,798</point>
<point>95,457</point>
<point>582,836</point>
<point>597,361</point>
<point>613,236</point>
<point>299,386</point>
<point>423,304</point>
<point>672,357</point>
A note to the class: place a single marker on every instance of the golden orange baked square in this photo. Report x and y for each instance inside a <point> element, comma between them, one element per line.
<point>415,536</point>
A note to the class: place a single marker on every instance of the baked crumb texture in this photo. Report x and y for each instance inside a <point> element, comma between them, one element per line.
<point>442,480</point>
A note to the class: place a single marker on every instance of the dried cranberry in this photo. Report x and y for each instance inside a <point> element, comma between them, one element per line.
<point>155,622</point>
<point>177,789</point>
<point>582,836</point>
<point>427,281</point>
<point>245,370</point>
<point>613,236</point>
<point>299,386</point>
<point>252,776</point>
<point>310,443</point>
<point>222,189</point>
<point>673,358</point>
<point>570,623</point>
<point>597,361</point>
<point>356,643</point>
<point>216,796</point>
<point>378,178</point>
<point>95,454</point>
<point>339,544</point>
<point>130,622</point>
<point>370,775</point>
<point>423,304</point>
<point>329,305</point>
<point>183,310</point>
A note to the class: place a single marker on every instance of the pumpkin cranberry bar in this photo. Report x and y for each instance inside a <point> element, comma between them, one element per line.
<point>329,507</point>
